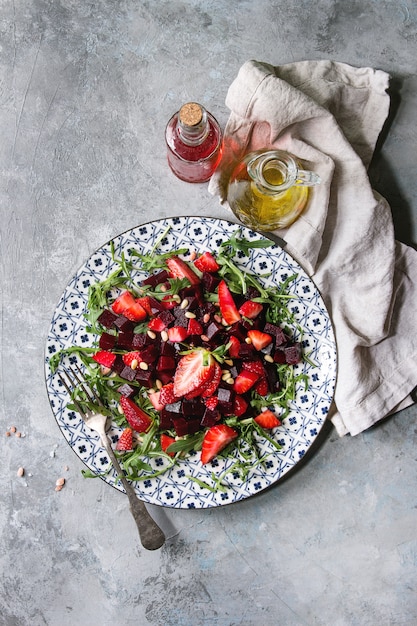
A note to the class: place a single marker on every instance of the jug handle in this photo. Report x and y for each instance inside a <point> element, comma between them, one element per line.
<point>307,179</point>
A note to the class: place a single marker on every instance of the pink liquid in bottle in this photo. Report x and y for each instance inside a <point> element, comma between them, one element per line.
<point>194,143</point>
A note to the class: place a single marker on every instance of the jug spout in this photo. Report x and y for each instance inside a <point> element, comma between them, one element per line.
<point>268,189</point>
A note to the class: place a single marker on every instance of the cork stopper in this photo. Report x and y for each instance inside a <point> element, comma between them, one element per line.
<point>191,114</point>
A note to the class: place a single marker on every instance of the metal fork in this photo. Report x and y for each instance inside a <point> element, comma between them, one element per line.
<point>150,534</point>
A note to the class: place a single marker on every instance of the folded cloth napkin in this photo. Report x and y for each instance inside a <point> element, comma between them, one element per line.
<point>330,115</point>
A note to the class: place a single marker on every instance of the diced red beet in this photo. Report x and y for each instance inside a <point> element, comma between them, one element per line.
<point>165,422</point>
<point>180,318</point>
<point>210,418</point>
<point>194,425</point>
<point>237,331</point>
<point>125,340</point>
<point>107,318</point>
<point>127,390</point>
<point>226,397</point>
<point>165,363</point>
<point>246,351</point>
<point>144,377</point>
<point>213,329</point>
<point>279,356</point>
<point>166,317</point>
<point>293,354</point>
<point>167,349</point>
<point>156,279</point>
<point>276,332</point>
<point>181,425</point>
<point>210,282</point>
<point>272,377</point>
<point>149,354</point>
<point>165,376</point>
<point>107,341</point>
<point>193,408</point>
<point>139,340</point>
<point>123,324</point>
<point>127,373</point>
<point>118,365</point>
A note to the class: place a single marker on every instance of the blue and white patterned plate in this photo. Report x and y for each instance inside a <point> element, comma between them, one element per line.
<point>175,488</point>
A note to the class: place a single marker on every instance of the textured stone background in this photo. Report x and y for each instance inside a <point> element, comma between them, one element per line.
<point>86,89</point>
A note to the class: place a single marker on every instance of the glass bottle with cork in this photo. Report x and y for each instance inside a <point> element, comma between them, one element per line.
<point>194,143</point>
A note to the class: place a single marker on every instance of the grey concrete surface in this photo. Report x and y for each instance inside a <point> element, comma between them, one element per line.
<point>86,89</point>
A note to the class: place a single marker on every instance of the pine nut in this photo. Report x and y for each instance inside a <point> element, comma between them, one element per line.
<point>176,297</point>
<point>7,433</point>
<point>190,315</point>
<point>268,358</point>
<point>163,288</point>
<point>18,434</point>
<point>218,318</point>
<point>206,317</point>
<point>143,366</point>
<point>184,304</point>
<point>204,338</point>
<point>60,482</point>
<point>134,364</point>
<point>20,471</point>
<point>151,334</point>
<point>13,429</point>
<point>158,384</point>
<point>58,487</point>
<point>228,362</point>
<point>164,335</point>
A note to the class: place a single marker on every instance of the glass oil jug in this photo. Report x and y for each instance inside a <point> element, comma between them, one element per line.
<point>268,190</point>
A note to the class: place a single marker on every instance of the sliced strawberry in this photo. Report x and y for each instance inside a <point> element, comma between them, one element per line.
<point>211,402</point>
<point>127,305</point>
<point>267,419</point>
<point>250,309</point>
<point>215,440</point>
<point>167,395</point>
<point>145,303</point>
<point>137,418</point>
<point>125,441</point>
<point>210,387</point>
<point>262,387</point>
<point>193,371</point>
<point>166,441</point>
<point>194,327</point>
<point>129,358</point>
<point>259,339</point>
<point>240,405</point>
<point>207,263</point>
<point>227,304</point>
<point>105,358</point>
<point>176,334</point>
<point>168,302</point>
<point>244,381</point>
<point>234,347</point>
<point>154,398</point>
<point>158,324</point>
<point>180,269</point>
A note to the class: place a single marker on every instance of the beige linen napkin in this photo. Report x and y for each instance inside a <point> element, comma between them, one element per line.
<point>330,115</point>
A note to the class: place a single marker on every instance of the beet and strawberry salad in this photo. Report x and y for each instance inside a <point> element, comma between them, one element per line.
<point>197,357</point>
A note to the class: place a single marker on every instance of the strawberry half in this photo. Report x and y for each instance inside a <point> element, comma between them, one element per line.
<point>267,419</point>
<point>215,440</point>
<point>176,334</point>
<point>167,395</point>
<point>125,440</point>
<point>244,381</point>
<point>104,358</point>
<point>250,309</point>
<point>180,269</point>
<point>129,358</point>
<point>194,370</point>
<point>127,305</point>
<point>227,305</point>
<point>259,339</point>
<point>136,417</point>
<point>166,441</point>
<point>207,263</point>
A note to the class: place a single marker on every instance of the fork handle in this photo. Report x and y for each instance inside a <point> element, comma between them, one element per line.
<point>151,535</point>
